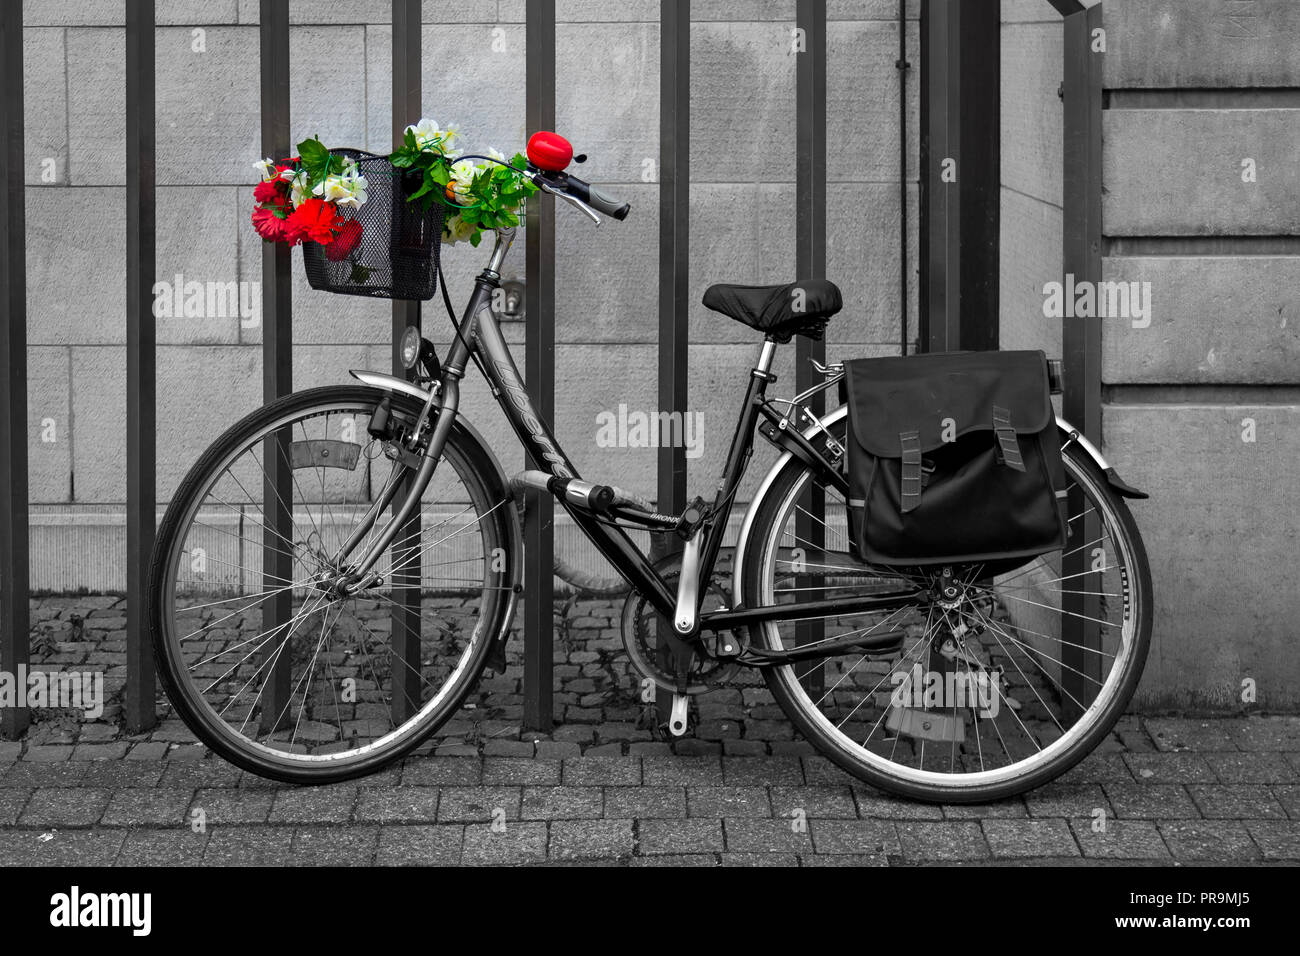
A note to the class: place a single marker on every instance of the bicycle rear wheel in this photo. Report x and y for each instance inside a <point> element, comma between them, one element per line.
<point>969,699</point>
<point>282,675</point>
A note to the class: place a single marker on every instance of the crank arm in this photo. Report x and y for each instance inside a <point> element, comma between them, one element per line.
<point>879,643</point>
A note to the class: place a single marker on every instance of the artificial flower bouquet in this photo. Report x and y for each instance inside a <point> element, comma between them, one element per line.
<point>315,195</point>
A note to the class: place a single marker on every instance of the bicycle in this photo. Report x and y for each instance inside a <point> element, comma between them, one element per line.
<point>389,583</point>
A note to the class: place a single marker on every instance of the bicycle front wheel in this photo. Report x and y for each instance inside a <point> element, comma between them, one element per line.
<point>271,666</point>
<point>972,698</point>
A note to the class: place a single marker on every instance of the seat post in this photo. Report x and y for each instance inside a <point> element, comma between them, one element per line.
<point>765,357</point>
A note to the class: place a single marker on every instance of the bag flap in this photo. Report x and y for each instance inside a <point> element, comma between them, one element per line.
<point>918,393</point>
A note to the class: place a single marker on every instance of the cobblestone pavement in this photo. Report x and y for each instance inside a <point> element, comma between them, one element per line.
<point>601,789</point>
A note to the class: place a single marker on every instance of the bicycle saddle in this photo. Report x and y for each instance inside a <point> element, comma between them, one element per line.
<point>801,307</point>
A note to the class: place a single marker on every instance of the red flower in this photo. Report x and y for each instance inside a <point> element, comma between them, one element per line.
<point>271,190</point>
<point>273,228</point>
<point>316,220</point>
<point>349,238</point>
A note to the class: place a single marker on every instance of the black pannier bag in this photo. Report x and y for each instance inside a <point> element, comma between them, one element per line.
<point>953,457</point>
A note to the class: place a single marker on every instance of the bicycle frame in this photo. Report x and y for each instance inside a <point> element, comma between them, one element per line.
<point>481,334</point>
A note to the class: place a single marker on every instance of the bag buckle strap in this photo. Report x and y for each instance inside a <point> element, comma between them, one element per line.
<point>911,482</point>
<point>1008,445</point>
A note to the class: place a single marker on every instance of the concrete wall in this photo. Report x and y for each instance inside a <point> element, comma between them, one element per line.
<point>1194,89</point>
<point>743,87</point>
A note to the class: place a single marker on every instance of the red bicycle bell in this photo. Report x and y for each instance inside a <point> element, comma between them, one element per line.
<point>549,151</point>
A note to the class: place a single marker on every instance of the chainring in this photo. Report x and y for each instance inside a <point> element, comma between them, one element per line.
<point>641,622</point>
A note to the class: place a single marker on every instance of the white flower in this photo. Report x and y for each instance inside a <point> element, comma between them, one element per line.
<point>265,165</point>
<point>462,176</point>
<point>428,134</point>
<point>455,229</point>
<point>344,190</point>
<point>297,188</point>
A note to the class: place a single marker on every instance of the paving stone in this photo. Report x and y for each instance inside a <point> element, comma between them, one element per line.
<point>604,750</point>
<point>1012,809</point>
<point>602,771</point>
<point>677,771</point>
<point>694,747</point>
<point>513,772</point>
<point>677,859</point>
<point>12,802</point>
<point>1289,797</point>
<point>1175,734</point>
<point>744,748</point>
<point>859,837</point>
<point>1251,768</point>
<point>124,773</point>
<point>557,750</point>
<point>157,807</point>
<point>642,803</point>
<point>48,754</point>
<point>61,807</point>
<point>508,748</point>
<point>517,843</point>
<point>820,771</point>
<point>1237,802</point>
<point>478,804</point>
<point>1029,838</point>
<point>249,846</point>
<point>1170,768</point>
<point>759,859</point>
<point>850,860</point>
<point>83,848</point>
<point>331,804</point>
<point>679,836</point>
<point>767,836</point>
<point>762,771</point>
<point>875,805</point>
<point>1122,839</point>
<point>147,750</point>
<point>1273,733</point>
<point>10,750</point>
<point>1217,840</point>
<point>443,771</point>
<point>1151,801</point>
<point>420,845</point>
<point>1066,800</point>
<point>728,801</point>
<point>1098,768</point>
<point>334,846</point>
<point>162,848</point>
<point>397,805</point>
<point>1276,839</point>
<point>562,803</point>
<point>230,806</point>
<point>24,774</point>
<point>815,802</point>
<point>209,773</point>
<point>591,840</point>
<point>109,751</point>
<point>948,840</point>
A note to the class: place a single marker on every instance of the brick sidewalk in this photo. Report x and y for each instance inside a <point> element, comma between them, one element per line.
<point>601,790</point>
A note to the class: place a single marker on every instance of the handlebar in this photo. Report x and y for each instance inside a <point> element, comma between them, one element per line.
<point>575,191</point>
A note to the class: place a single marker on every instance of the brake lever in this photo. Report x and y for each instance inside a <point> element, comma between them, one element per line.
<point>544,186</point>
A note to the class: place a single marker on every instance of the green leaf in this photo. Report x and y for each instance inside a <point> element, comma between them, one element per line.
<point>475,238</point>
<point>359,273</point>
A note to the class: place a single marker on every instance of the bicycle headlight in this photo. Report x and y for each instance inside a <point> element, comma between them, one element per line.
<point>410,347</point>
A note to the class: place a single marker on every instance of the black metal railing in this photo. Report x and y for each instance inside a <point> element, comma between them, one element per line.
<point>941,256</point>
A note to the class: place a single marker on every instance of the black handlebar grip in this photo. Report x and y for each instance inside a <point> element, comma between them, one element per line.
<point>597,200</point>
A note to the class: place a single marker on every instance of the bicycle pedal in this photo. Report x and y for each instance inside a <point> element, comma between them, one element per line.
<point>677,716</point>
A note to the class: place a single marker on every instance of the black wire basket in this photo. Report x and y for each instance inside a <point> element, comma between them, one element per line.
<point>396,255</point>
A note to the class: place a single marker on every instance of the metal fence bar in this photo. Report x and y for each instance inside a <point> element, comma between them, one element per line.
<point>14,546</point>
<point>539,372</point>
<point>979,180</point>
<point>277,372</point>
<point>940,239</point>
<point>1081,338</point>
<point>141,361</point>
<point>810,263</point>
<point>674,270</point>
<point>405,613</point>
